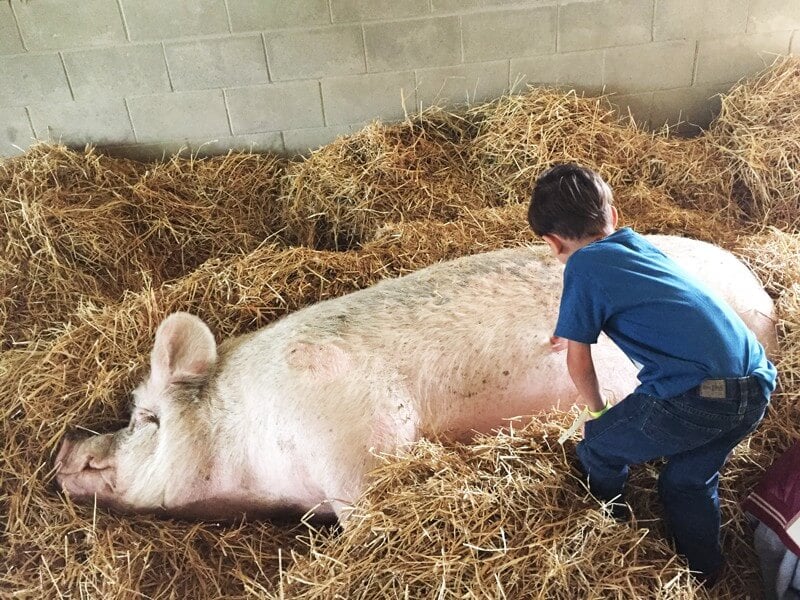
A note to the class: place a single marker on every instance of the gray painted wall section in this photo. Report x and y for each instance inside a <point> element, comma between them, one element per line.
<point>141,77</point>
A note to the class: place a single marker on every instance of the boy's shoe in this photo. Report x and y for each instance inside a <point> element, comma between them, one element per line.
<point>619,511</point>
<point>709,580</point>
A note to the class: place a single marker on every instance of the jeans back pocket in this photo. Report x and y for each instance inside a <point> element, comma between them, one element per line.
<point>677,430</point>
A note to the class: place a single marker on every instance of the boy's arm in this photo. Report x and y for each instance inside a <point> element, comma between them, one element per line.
<point>581,370</point>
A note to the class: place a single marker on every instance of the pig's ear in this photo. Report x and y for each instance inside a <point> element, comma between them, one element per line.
<point>184,350</point>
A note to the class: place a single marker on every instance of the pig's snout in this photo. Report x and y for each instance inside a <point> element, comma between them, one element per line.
<point>83,467</point>
<point>61,464</point>
<point>66,457</point>
<point>61,459</point>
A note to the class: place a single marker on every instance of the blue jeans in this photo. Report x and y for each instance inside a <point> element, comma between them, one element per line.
<point>695,434</point>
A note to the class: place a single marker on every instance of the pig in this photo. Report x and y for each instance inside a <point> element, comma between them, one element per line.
<point>290,418</point>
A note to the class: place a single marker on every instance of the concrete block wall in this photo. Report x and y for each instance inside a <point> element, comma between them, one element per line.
<point>144,77</point>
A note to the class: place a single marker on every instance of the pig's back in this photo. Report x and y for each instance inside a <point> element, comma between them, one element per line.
<point>474,340</point>
<point>465,342</point>
<point>458,346</point>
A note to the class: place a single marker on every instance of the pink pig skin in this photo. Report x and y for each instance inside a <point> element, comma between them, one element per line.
<point>287,419</point>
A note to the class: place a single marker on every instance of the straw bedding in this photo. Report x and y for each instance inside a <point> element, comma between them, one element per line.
<point>82,228</point>
<point>98,250</point>
<point>755,134</point>
<point>412,170</point>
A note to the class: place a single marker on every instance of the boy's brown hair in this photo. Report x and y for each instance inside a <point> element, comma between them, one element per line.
<point>570,201</point>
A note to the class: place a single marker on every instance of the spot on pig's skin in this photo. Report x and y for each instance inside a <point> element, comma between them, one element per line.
<point>323,361</point>
<point>505,373</point>
<point>286,445</point>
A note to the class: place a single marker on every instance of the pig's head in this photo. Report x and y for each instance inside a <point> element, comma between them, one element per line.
<point>163,458</point>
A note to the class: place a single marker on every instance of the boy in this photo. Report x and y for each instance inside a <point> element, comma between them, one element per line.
<point>705,380</point>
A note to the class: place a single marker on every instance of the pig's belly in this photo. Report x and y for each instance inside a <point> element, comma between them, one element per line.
<point>537,383</point>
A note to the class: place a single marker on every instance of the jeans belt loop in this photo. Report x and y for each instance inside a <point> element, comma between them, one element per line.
<point>744,390</point>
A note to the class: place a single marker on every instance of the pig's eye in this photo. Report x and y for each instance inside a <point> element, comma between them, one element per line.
<point>142,417</point>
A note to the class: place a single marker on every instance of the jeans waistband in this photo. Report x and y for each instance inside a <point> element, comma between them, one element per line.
<point>733,388</point>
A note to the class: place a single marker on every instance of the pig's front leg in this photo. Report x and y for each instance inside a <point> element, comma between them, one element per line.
<point>379,422</point>
<point>343,477</point>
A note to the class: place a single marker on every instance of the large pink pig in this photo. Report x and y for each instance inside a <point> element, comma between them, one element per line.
<point>287,418</point>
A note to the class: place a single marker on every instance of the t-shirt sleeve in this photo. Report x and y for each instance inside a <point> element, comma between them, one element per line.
<point>582,312</point>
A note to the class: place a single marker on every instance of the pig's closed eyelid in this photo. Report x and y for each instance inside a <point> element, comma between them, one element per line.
<point>142,414</point>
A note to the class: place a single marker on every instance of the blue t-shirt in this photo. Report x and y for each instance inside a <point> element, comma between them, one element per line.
<point>659,315</point>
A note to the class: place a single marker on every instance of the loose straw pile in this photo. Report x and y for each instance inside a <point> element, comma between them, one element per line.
<point>99,250</point>
<point>411,170</point>
<point>756,133</point>
<point>82,228</point>
<point>503,517</point>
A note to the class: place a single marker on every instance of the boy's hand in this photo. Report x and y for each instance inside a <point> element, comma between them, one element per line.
<point>558,344</point>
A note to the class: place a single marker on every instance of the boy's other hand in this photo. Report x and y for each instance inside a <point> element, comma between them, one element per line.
<point>558,344</point>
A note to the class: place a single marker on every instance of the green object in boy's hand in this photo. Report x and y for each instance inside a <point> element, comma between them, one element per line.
<point>599,413</point>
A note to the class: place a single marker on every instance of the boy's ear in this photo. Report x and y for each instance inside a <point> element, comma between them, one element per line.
<point>614,216</point>
<point>556,243</point>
